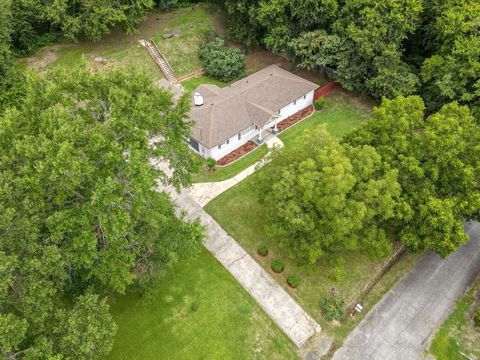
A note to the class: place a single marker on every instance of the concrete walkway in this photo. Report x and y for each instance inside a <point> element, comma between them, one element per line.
<point>276,302</point>
<point>203,193</point>
<point>399,327</point>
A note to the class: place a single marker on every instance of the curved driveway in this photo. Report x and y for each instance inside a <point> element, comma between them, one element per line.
<point>400,325</point>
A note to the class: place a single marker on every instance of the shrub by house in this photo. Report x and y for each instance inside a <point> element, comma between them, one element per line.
<point>220,61</point>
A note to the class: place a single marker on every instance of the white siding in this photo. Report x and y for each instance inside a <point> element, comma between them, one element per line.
<point>292,108</point>
<point>234,143</point>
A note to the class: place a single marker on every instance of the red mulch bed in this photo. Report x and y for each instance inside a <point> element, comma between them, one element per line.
<point>237,153</point>
<point>295,118</point>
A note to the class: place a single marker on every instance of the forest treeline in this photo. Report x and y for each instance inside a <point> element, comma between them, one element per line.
<point>382,48</point>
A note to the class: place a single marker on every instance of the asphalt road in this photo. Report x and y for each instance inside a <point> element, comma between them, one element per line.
<point>399,327</point>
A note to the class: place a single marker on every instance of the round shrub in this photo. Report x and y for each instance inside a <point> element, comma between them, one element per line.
<point>277,266</point>
<point>319,103</point>
<point>262,251</point>
<point>332,306</point>
<point>221,62</point>
<point>293,281</point>
<point>211,163</point>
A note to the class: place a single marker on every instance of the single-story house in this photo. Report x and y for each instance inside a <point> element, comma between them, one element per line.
<point>226,118</point>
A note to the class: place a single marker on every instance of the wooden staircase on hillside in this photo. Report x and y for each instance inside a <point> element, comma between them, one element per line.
<point>161,61</point>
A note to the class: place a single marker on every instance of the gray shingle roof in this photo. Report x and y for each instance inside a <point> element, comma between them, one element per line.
<point>252,100</point>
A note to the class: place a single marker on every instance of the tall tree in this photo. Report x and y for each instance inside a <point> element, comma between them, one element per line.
<point>452,72</point>
<point>5,32</point>
<point>438,169</point>
<point>242,22</point>
<point>284,20</point>
<point>79,213</point>
<point>95,18</point>
<point>330,198</point>
<point>31,28</point>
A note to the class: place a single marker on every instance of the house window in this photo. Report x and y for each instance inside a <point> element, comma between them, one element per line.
<point>239,136</point>
<point>220,146</point>
<point>304,96</point>
<point>228,141</point>
<point>294,102</point>
<point>278,112</point>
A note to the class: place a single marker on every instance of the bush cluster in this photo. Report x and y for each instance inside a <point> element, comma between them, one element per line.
<point>332,306</point>
<point>293,281</point>
<point>319,103</point>
<point>262,251</point>
<point>221,62</point>
<point>277,266</point>
<point>211,163</point>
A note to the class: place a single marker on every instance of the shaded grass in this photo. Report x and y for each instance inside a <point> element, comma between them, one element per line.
<point>118,55</point>
<point>191,84</point>
<point>200,312</point>
<point>458,333</point>
<point>240,213</point>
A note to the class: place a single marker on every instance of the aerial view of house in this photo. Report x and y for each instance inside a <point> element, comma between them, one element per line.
<point>239,180</point>
<point>247,110</point>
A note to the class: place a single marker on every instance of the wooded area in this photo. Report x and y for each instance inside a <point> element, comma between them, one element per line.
<point>375,47</point>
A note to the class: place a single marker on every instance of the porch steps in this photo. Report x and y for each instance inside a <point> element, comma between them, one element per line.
<point>160,60</point>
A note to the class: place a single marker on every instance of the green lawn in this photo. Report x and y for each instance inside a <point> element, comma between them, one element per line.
<point>339,115</point>
<point>182,52</point>
<point>240,213</point>
<point>200,312</point>
<point>458,333</point>
<point>228,171</point>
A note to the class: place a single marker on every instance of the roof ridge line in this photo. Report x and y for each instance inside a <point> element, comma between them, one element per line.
<point>210,127</point>
<point>260,106</point>
<point>244,89</point>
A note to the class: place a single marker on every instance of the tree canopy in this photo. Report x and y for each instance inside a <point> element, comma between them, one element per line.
<point>80,216</point>
<point>36,23</point>
<point>383,48</point>
<point>330,198</point>
<point>452,71</point>
<point>437,159</point>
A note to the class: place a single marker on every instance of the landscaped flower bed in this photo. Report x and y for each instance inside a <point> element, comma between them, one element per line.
<point>295,118</point>
<point>237,153</point>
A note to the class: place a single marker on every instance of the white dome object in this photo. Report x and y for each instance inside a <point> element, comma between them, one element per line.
<point>198,99</point>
